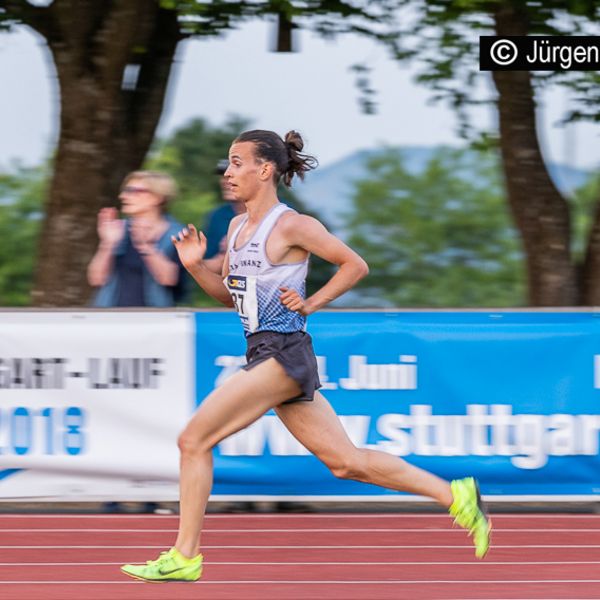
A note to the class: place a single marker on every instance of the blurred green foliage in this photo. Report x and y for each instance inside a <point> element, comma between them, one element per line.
<point>439,238</point>
<point>585,203</point>
<point>21,209</point>
<point>190,155</point>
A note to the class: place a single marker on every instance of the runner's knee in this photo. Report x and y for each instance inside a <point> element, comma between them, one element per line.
<point>192,444</point>
<point>348,465</point>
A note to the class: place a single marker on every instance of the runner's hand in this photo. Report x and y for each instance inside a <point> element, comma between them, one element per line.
<point>190,245</point>
<point>293,301</point>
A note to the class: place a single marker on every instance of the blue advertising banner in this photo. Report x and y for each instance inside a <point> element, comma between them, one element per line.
<point>512,398</point>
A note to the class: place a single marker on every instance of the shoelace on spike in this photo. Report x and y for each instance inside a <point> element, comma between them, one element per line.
<point>163,557</point>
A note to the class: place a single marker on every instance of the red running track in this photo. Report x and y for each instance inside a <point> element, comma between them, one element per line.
<point>302,557</point>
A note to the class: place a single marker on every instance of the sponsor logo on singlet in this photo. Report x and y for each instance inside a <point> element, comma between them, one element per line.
<point>236,282</point>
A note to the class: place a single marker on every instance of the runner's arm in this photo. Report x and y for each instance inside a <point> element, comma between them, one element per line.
<point>311,235</point>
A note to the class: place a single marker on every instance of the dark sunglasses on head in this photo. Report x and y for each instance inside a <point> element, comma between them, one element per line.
<point>131,189</point>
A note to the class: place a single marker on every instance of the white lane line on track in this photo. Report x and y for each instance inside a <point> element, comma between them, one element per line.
<point>287,516</point>
<point>206,582</point>
<point>265,563</point>
<point>345,546</point>
<point>299,530</point>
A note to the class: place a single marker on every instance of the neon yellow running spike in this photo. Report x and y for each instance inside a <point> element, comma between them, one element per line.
<point>468,512</point>
<point>169,566</point>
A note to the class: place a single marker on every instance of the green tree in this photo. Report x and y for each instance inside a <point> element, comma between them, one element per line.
<point>439,238</point>
<point>444,35</point>
<point>21,206</point>
<point>190,155</point>
<point>113,61</point>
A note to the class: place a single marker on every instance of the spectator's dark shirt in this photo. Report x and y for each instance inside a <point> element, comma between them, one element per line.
<point>216,228</point>
<point>130,270</point>
<point>130,283</point>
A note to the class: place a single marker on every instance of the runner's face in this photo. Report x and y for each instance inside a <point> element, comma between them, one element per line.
<point>244,174</point>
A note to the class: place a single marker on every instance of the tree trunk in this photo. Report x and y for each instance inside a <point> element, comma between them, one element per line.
<point>107,123</point>
<point>590,268</point>
<point>540,211</point>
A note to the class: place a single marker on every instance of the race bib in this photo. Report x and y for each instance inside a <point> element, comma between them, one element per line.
<point>243,293</point>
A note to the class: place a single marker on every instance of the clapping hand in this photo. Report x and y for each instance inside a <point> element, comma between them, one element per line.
<point>111,229</point>
<point>142,235</point>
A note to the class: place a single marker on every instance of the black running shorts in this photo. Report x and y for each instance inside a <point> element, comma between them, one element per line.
<point>293,351</point>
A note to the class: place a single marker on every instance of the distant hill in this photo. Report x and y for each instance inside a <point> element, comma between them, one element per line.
<point>328,190</point>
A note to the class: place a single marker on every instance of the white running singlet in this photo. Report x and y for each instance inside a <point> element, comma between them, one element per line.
<point>254,282</point>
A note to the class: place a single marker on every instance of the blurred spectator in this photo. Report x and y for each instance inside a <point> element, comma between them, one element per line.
<point>218,220</point>
<point>136,263</point>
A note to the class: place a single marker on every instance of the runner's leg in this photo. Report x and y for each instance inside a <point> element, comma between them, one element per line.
<point>240,401</point>
<point>316,426</point>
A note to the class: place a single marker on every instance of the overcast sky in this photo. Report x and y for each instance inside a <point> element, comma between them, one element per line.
<point>312,91</point>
